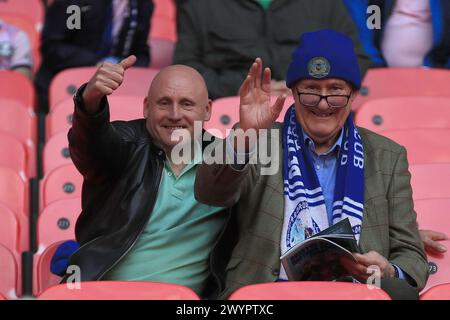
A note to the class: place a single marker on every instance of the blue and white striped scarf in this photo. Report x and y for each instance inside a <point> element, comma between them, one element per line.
<point>304,206</point>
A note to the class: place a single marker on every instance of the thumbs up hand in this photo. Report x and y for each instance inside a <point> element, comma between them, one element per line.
<point>105,81</point>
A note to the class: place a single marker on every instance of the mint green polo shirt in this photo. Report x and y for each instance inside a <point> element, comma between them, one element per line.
<point>265,3</point>
<point>178,239</point>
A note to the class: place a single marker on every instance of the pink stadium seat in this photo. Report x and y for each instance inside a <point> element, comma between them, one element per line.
<point>63,182</point>
<point>161,51</point>
<point>163,22</point>
<point>9,275</point>
<point>20,122</point>
<point>225,114</point>
<point>42,277</point>
<point>24,24</point>
<point>13,191</point>
<point>120,290</point>
<point>32,10</point>
<point>15,158</point>
<point>57,222</point>
<point>440,292</point>
<point>9,229</point>
<point>64,85</point>
<point>432,214</point>
<point>430,181</point>
<point>2,297</point>
<point>399,113</point>
<point>423,145</point>
<point>403,82</point>
<point>308,290</point>
<point>121,108</point>
<point>56,152</point>
<point>15,86</point>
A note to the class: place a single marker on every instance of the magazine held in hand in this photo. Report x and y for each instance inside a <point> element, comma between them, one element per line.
<point>325,256</point>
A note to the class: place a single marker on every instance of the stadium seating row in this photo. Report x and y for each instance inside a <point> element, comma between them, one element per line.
<point>128,290</point>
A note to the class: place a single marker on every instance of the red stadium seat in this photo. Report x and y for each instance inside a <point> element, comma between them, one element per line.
<point>430,181</point>
<point>120,290</point>
<point>440,292</point>
<point>29,28</point>
<point>163,22</point>
<point>64,182</point>
<point>432,214</point>
<point>403,82</point>
<point>20,122</point>
<point>9,229</point>
<point>225,114</point>
<point>13,191</point>
<point>399,113</point>
<point>32,10</point>
<point>121,108</point>
<point>161,51</point>
<point>308,290</point>
<point>42,277</point>
<point>15,86</point>
<point>2,297</point>
<point>56,152</point>
<point>15,158</point>
<point>57,222</point>
<point>9,275</point>
<point>423,145</point>
<point>64,85</point>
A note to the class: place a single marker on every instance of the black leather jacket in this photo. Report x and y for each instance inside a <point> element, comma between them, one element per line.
<point>122,170</point>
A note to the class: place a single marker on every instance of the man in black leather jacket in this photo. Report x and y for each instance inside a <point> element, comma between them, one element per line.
<point>140,220</point>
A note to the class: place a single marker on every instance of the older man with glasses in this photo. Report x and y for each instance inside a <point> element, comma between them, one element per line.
<point>330,170</point>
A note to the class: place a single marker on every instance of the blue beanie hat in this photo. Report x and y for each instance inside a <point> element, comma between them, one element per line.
<point>324,54</point>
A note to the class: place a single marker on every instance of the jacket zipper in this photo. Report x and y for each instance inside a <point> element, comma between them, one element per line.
<point>137,236</point>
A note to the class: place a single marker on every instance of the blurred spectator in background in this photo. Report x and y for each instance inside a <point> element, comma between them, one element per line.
<point>413,33</point>
<point>222,38</point>
<point>15,50</point>
<point>110,31</point>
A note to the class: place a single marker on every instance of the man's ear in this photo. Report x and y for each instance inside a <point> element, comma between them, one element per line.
<point>208,110</point>
<point>354,94</point>
<point>145,108</point>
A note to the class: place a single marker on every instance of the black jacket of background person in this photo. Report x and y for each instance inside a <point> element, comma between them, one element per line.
<point>122,169</point>
<point>63,48</point>
<point>221,38</point>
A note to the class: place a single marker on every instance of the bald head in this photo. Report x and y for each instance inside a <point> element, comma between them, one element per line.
<point>180,77</point>
<point>177,98</point>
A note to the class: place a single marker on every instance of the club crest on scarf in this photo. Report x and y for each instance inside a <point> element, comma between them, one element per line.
<point>305,209</point>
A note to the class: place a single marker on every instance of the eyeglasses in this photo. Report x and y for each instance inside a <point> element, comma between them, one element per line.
<point>333,100</point>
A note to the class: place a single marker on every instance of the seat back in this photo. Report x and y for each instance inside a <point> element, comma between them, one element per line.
<point>9,280</point>
<point>64,182</point>
<point>225,114</point>
<point>9,229</point>
<point>423,145</point>
<point>308,290</point>
<point>120,290</point>
<point>15,86</point>
<point>20,122</point>
<point>42,277</point>
<point>440,292</point>
<point>403,82</point>
<point>432,214</point>
<point>65,84</point>
<point>430,181</point>
<point>120,108</point>
<point>16,158</point>
<point>57,222</point>
<point>56,152</point>
<point>31,10</point>
<point>13,191</point>
<point>399,113</point>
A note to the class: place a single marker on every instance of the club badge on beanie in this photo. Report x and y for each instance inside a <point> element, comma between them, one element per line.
<point>324,54</point>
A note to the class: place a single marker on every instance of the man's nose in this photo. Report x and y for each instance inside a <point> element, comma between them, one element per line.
<point>175,113</point>
<point>323,104</point>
